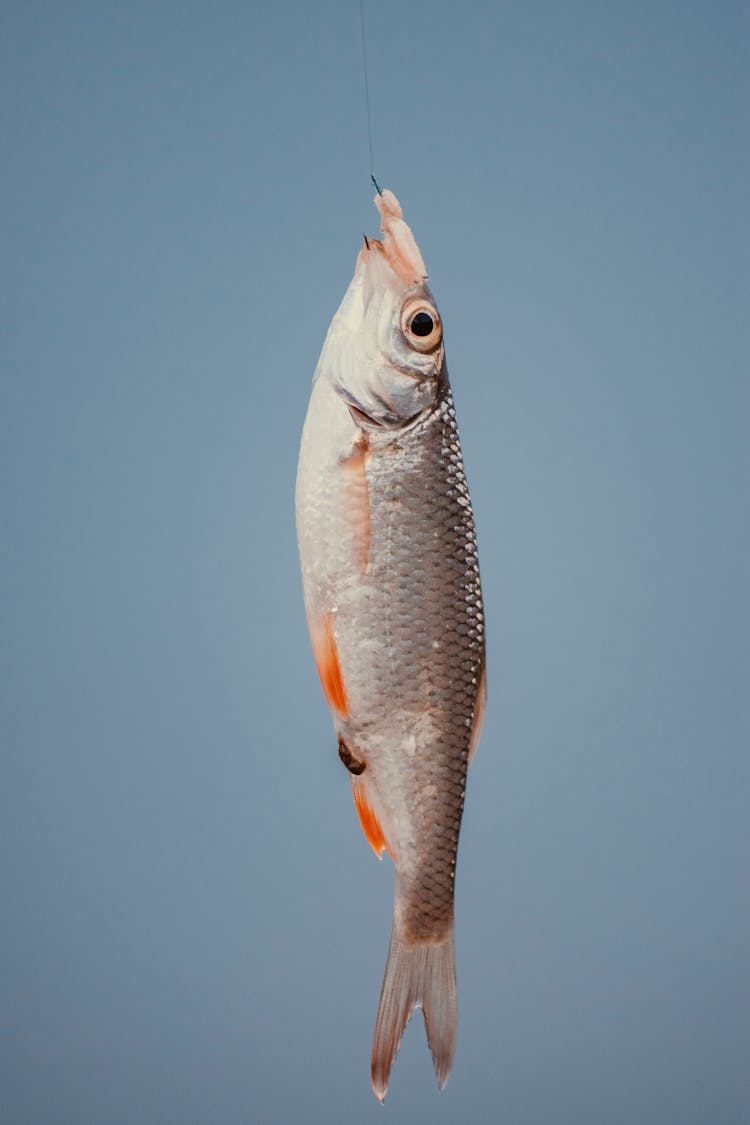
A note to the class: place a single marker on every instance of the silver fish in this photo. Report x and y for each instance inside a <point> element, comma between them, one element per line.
<point>394,607</point>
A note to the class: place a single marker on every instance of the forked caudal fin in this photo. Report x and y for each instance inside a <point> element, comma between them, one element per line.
<point>421,974</point>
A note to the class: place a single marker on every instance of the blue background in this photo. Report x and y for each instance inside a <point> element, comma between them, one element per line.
<point>193,927</point>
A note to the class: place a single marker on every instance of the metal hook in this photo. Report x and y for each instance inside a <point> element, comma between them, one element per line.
<point>377,185</point>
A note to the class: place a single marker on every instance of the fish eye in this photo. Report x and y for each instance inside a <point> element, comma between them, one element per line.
<point>420,324</point>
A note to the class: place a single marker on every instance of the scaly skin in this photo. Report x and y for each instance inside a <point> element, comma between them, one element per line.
<point>410,638</point>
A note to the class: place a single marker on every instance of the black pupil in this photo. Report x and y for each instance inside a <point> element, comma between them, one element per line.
<point>422,324</point>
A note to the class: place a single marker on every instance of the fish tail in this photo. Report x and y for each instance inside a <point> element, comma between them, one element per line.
<point>417,974</point>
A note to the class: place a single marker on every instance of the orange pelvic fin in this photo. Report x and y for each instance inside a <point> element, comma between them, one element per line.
<point>329,669</point>
<point>478,718</point>
<point>370,824</point>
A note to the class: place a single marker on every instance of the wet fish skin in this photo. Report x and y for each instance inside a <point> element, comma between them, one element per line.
<point>393,599</point>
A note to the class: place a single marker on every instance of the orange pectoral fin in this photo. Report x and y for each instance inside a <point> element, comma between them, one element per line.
<point>370,824</point>
<point>329,669</point>
<point>358,500</point>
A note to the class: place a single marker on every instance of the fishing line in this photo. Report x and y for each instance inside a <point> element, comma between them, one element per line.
<point>367,92</point>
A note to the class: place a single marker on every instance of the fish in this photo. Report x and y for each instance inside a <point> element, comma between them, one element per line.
<point>393,600</point>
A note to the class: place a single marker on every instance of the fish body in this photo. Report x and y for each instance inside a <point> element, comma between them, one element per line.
<point>394,607</point>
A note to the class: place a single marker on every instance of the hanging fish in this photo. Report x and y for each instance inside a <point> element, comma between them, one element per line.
<point>394,606</point>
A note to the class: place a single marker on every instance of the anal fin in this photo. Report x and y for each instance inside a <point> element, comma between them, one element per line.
<point>368,819</point>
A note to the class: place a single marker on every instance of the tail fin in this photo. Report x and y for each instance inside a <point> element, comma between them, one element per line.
<point>416,975</point>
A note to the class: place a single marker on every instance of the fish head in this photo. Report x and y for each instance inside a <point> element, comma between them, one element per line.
<point>384,351</point>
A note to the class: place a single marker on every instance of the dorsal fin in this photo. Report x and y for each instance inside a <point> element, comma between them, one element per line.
<point>477,720</point>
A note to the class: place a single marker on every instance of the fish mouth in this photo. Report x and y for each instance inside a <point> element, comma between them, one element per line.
<point>399,245</point>
<point>398,248</point>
